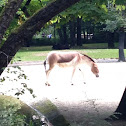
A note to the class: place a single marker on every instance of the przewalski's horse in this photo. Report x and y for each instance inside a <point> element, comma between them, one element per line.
<point>67,59</point>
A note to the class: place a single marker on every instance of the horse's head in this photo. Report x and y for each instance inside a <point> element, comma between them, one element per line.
<point>95,70</point>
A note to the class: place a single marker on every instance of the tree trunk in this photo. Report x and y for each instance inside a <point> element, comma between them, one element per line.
<point>83,30</point>
<point>125,41</point>
<point>121,46</point>
<point>29,28</point>
<point>63,35</point>
<point>65,42</point>
<point>84,34</point>
<point>7,15</point>
<point>120,113</point>
<point>121,110</point>
<point>79,41</point>
<point>54,31</point>
<point>110,39</point>
<point>72,33</point>
<point>87,36</point>
<point>60,35</point>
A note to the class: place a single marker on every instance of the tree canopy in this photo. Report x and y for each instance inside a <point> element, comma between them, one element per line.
<point>29,28</point>
<point>40,13</point>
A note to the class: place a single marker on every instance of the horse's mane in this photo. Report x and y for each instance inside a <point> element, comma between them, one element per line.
<point>88,57</point>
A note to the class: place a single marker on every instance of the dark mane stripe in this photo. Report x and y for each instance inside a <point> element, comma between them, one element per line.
<point>88,57</point>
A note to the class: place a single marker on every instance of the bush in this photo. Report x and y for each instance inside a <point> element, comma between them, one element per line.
<point>13,112</point>
<point>9,115</point>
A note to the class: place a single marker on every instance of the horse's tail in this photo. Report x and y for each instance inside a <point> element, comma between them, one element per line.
<point>45,64</point>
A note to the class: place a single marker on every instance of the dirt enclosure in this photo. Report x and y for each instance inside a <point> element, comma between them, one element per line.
<point>81,104</point>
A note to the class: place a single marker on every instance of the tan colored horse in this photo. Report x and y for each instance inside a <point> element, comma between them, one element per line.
<point>67,59</point>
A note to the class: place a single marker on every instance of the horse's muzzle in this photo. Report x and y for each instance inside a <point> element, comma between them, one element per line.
<point>97,75</point>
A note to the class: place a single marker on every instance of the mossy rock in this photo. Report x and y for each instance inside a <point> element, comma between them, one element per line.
<point>51,112</point>
<point>14,107</point>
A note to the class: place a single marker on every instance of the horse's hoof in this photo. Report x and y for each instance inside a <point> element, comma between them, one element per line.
<point>47,84</point>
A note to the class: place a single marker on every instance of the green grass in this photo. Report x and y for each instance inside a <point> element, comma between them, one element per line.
<point>102,53</point>
<point>40,53</point>
<point>32,53</point>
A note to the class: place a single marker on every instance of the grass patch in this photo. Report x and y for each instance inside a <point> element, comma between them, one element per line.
<point>32,53</point>
<point>40,53</point>
<point>101,53</point>
<point>98,46</point>
<point>30,56</point>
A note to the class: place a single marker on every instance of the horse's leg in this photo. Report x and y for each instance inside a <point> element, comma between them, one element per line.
<point>82,75</point>
<point>74,69</point>
<point>47,75</point>
<point>74,64</point>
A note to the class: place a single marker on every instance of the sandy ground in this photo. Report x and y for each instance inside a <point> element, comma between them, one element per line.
<point>81,104</point>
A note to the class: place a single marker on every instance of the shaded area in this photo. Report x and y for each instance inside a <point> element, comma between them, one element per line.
<point>120,112</point>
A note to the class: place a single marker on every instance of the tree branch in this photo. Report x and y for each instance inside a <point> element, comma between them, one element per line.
<point>30,27</point>
<point>7,15</point>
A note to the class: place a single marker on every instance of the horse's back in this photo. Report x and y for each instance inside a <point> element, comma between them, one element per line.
<point>60,57</point>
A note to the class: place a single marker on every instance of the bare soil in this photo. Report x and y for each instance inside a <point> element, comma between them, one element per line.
<point>81,104</point>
